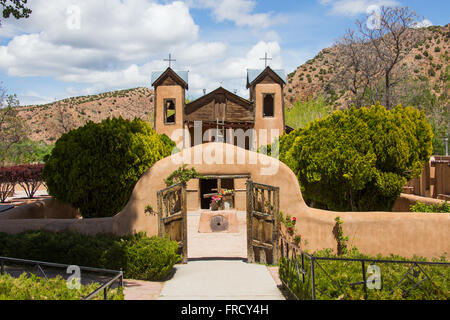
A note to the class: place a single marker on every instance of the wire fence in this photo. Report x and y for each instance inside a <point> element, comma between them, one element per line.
<point>310,277</point>
<point>108,278</point>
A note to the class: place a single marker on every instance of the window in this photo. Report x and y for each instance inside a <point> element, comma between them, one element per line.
<point>169,111</point>
<point>268,105</point>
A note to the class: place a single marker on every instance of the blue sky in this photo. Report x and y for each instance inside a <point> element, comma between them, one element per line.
<point>81,47</point>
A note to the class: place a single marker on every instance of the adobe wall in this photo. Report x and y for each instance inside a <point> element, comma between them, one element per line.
<point>405,201</point>
<point>43,209</point>
<point>402,233</point>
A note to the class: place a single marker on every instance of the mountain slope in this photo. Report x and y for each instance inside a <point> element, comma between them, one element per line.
<point>430,60</point>
<point>48,122</point>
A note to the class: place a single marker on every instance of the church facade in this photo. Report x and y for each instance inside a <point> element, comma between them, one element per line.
<point>221,115</point>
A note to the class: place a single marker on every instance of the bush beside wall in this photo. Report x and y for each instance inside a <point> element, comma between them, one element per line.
<point>95,168</point>
<point>139,257</point>
<point>343,273</point>
<point>35,288</point>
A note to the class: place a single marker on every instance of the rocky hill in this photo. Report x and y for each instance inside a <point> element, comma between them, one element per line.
<point>48,122</point>
<point>429,60</point>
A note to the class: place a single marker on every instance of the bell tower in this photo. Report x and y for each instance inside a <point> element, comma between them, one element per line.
<point>266,92</point>
<point>170,89</point>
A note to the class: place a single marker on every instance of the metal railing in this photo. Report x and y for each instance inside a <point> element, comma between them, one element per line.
<point>305,271</point>
<point>117,276</point>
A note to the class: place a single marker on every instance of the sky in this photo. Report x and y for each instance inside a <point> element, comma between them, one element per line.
<point>81,47</point>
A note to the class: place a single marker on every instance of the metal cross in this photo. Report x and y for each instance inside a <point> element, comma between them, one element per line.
<point>266,59</point>
<point>170,60</point>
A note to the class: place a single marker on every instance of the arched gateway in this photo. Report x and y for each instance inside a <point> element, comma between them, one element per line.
<point>257,178</point>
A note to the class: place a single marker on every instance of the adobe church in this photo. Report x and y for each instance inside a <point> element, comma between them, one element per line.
<point>216,116</point>
<point>220,110</point>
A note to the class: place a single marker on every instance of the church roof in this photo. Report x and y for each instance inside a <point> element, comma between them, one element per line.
<point>253,74</point>
<point>183,75</point>
<point>207,97</point>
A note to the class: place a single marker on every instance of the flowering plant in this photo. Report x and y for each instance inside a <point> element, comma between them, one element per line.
<point>216,199</point>
<point>226,192</point>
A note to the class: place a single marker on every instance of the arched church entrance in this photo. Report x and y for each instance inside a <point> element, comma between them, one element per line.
<point>218,228</point>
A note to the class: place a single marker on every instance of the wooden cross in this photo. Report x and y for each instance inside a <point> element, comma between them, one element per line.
<point>170,60</point>
<point>266,59</point>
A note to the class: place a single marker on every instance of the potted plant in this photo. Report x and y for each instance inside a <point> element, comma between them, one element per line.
<point>216,203</point>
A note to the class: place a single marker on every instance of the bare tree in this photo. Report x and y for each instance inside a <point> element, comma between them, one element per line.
<point>391,41</point>
<point>359,67</point>
<point>64,118</point>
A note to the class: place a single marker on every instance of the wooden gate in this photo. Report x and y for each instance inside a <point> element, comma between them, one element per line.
<point>263,223</point>
<point>172,210</point>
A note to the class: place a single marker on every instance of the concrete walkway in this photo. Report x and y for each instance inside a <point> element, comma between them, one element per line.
<point>211,245</point>
<point>212,279</point>
<point>221,280</point>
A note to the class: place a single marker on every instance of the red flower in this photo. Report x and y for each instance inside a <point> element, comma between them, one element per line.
<point>294,219</point>
<point>290,228</point>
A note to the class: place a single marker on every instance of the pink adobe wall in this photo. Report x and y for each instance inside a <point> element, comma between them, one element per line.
<point>402,233</point>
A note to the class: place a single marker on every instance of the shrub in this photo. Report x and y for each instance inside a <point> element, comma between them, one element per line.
<point>359,159</point>
<point>334,279</point>
<point>8,180</point>
<point>29,177</point>
<point>433,208</point>
<point>35,288</point>
<point>96,167</point>
<point>139,256</point>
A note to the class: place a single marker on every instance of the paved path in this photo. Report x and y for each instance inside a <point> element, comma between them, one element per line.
<point>221,280</point>
<point>212,279</point>
<point>216,245</point>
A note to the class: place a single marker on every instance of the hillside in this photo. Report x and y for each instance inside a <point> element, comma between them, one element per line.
<point>430,60</point>
<point>48,122</point>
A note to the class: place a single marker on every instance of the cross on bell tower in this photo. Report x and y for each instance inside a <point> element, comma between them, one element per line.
<point>265,59</point>
<point>170,60</point>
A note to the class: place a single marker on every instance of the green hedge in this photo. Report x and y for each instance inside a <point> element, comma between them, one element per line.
<point>96,167</point>
<point>358,159</point>
<point>344,273</point>
<point>139,256</point>
<point>432,208</point>
<point>35,288</point>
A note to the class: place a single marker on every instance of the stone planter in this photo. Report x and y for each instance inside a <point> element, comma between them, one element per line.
<point>215,206</point>
<point>227,202</point>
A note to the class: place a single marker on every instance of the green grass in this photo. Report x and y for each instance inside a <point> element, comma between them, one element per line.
<point>31,287</point>
<point>302,113</point>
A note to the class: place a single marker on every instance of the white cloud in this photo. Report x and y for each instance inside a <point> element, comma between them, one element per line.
<point>238,11</point>
<point>120,42</point>
<point>112,33</point>
<point>355,7</point>
<point>423,24</point>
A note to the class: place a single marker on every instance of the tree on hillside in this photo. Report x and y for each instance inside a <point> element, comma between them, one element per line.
<point>16,8</point>
<point>391,41</point>
<point>64,118</point>
<point>359,70</point>
<point>12,128</point>
<point>374,52</point>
